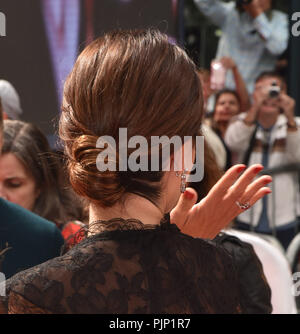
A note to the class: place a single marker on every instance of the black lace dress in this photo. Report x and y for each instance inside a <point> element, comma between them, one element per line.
<point>129,268</point>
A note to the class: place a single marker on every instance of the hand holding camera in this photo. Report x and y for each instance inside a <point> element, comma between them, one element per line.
<point>287,105</point>
<point>285,102</point>
<point>277,98</point>
<point>258,100</point>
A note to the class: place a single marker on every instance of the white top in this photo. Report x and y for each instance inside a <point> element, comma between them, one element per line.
<point>10,100</point>
<point>284,202</point>
<point>215,144</point>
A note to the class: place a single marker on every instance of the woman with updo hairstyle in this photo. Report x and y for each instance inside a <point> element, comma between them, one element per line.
<point>32,176</point>
<point>136,258</point>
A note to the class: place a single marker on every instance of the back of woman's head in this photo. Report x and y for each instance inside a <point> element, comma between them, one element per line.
<point>126,79</point>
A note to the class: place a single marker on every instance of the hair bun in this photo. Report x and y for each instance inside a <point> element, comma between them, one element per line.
<point>103,188</point>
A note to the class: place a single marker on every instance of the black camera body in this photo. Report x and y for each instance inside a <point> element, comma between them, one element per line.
<point>243,2</point>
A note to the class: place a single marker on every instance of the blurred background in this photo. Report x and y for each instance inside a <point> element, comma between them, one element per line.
<point>42,33</point>
<point>44,38</point>
<point>201,39</point>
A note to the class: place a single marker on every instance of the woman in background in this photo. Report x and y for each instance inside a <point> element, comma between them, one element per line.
<point>220,107</point>
<point>31,175</point>
<point>227,106</point>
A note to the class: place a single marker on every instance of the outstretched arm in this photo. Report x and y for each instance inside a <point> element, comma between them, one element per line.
<point>241,87</point>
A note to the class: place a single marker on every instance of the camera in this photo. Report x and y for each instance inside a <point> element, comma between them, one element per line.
<point>274,90</point>
<point>243,2</point>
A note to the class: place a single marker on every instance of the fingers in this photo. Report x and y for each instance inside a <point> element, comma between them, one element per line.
<point>239,188</point>
<point>254,187</point>
<point>254,192</point>
<point>220,189</point>
<point>186,201</point>
<point>235,187</point>
<point>257,196</point>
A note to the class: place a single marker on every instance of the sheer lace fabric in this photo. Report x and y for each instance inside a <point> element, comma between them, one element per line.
<point>129,268</point>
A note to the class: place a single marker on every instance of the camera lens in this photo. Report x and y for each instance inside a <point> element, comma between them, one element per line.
<point>274,90</point>
<point>273,93</point>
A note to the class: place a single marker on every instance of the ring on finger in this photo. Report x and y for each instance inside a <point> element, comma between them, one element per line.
<point>243,206</point>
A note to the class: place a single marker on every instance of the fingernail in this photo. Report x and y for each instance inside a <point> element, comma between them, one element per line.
<point>188,195</point>
<point>240,169</point>
<point>267,181</point>
<point>258,169</point>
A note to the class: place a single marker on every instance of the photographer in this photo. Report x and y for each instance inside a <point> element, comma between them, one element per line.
<point>269,134</point>
<point>253,35</point>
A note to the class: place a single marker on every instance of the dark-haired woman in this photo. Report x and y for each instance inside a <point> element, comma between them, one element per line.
<point>227,105</point>
<point>31,176</point>
<point>224,105</point>
<point>133,260</point>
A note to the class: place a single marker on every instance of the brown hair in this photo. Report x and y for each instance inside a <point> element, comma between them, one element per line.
<point>212,173</point>
<point>126,79</point>
<point>226,91</point>
<point>1,116</point>
<point>272,74</point>
<point>55,201</point>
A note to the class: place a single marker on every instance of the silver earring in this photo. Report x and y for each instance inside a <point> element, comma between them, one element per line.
<point>183,182</point>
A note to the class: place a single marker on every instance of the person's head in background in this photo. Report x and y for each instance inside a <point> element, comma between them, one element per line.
<point>263,85</point>
<point>135,80</point>
<point>263,5</point>
<point>11,106</point>
<point>30,175</point>
<point>227,105</point>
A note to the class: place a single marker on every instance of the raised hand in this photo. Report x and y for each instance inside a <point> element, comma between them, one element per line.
<point>231,195</point>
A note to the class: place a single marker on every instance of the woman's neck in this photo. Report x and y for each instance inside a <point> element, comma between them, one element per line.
<point>135,207</point>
